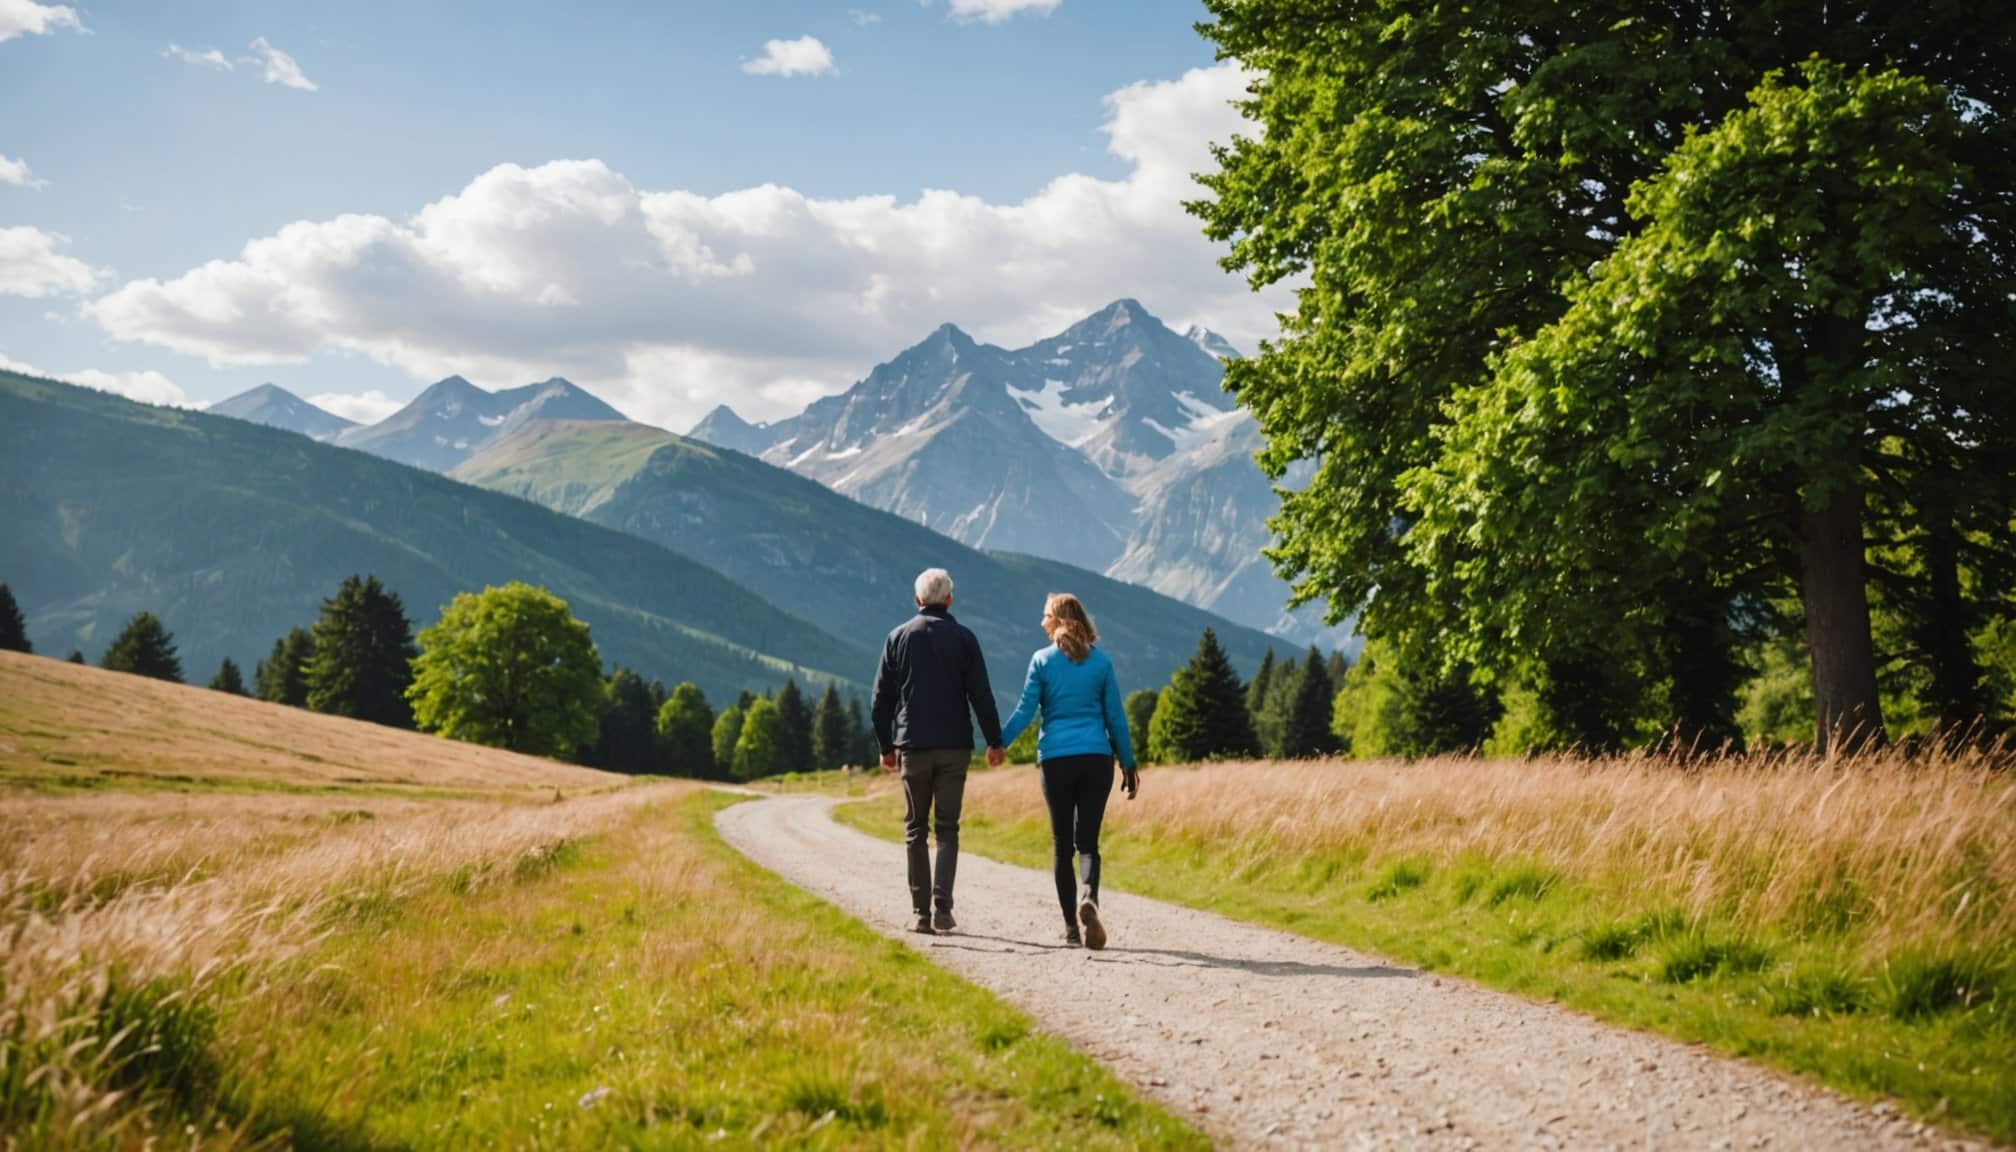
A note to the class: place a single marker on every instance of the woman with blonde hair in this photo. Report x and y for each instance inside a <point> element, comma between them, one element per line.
<point>1071,684</point>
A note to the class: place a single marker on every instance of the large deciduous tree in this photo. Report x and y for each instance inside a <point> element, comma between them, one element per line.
<point>1792,216</point>
<point>510,667</point>
<point>686,734</point>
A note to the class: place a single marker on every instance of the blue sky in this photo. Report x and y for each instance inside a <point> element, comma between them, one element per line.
<point>622,195</point>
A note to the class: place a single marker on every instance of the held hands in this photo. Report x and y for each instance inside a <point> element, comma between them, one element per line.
<point>996,756</point>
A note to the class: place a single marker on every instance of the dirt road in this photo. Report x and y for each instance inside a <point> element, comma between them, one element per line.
<point>1269,1040</point>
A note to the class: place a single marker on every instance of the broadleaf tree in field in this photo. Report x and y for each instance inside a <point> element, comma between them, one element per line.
<point>228,678</point>
<point>363,655</point>
<point>1448,184</point>
<point>512,668</point>
<point>686,734</point>
<point>726,733</point>
<point>145,648</point>
<point>759,748</point>
<point>13,627</point>
<point>1140,706</point>
<point>282,677</point>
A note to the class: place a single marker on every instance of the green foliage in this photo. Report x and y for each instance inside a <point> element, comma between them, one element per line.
<point>145,648</point>
<point>228,678</point>
<point>832,738</point>
<point>686,734</point>
<point>1140,707</point>
<point>866,752</point>
<point>1023,750</point>
<point>362,657</point>
<point>13,628</point>
<point>759,747</point>
<point>510,667</point>
<point>627,739</point>
<point>282,678</point>
<point>76,656</point>
<point>1778,700</point>
<point>726,733</point>
<point>794,730</point>
<point>1305,724</point>
<point>1202,714</point>
<point>1257,690</point>
<point>1608,327</point>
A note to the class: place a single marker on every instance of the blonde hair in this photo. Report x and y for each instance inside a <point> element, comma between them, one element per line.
<point>1069,626</point>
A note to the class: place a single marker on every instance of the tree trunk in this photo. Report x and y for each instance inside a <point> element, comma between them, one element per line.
<point>1848,714</point>
<point>1945,634</point>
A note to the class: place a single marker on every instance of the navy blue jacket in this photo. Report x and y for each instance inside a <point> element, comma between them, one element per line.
<point>931,672</point>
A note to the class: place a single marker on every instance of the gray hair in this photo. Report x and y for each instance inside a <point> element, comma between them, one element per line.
<point>934,586</point>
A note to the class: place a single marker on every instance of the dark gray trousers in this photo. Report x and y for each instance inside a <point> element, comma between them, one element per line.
<point>933,778</point>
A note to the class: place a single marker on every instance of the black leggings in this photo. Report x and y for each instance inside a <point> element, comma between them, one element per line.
<point>1076,788</point>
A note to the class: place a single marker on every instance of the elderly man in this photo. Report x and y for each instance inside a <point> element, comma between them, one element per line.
<point>931,672</point>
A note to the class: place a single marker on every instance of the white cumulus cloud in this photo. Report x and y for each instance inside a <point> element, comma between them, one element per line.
<point>27,18</point>
<point>279,67</point>
<point>16,172</point>
<point>30,265</point>
<point>995,11</point>
<point>669,302</point>
<point>360,407</point>
<point>805,56</point>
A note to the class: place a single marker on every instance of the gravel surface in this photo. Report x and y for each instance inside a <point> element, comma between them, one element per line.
<point>1265,1039</point>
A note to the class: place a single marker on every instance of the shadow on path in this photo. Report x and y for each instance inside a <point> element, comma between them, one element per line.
<point>1172,958</point>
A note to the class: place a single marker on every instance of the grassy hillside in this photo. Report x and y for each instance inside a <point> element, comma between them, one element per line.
<point>830,559</point>
<point>232,533</point>
<point>1851,921</point>
<point>336,936</point>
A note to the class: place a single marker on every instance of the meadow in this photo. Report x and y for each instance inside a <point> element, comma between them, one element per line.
<point>234,925</point>
<point>1852,921</point>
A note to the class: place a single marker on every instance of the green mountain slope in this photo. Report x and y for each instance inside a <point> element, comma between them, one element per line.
<point>827,558</point>
<point>232,532</point>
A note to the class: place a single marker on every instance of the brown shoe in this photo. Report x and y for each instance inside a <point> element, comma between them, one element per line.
<point>1088,915</point>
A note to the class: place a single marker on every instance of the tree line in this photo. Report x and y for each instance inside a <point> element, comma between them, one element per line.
<point>1642,354</point>
<point>1206,713</point>
<point>512,668</point>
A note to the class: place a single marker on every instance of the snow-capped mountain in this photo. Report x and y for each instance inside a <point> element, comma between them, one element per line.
<point>454,419</point>
<point>275,407</point>
<point>1111,445</point>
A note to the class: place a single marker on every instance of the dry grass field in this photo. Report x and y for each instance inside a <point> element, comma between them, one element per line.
<point>1849,919</point>
<point>226,924</point>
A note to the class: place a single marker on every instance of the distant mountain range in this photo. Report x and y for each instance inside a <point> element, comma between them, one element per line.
<point>275,407</point>
<point>830,559</point>
<point>1111,446</point>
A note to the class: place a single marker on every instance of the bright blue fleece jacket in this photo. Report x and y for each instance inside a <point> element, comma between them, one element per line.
<point>1080,704</point>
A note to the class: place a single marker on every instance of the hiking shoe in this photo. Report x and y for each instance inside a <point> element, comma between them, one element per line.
<point>1071,938</point>
<point>923,926</point>
<point>943,922</point>
<point>1088,915</point>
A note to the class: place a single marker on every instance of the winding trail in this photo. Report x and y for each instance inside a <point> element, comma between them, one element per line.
<point>1269,1040</point>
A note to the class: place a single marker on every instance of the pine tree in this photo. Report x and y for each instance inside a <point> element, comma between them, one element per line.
<point>759,750</point>
<point>76,656</point>
<point>282,677</point>
<point>686,734</point>
<point>1256,691</point>
<point>1305,726</point>
<point>1140,708</point>
<point>1205,710</point>
<point>727,731</point>
<point>832,739</point>
<point>145,648</point>
<point>794,730</point>
<point>13,628</point>
<point>364,651</point>
<point>1336,666</point>
<point>1270,723</point>
<point>228,678</point>
<point>627,739</point>
<point>866,752</point>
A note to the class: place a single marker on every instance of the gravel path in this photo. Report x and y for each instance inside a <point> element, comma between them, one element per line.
<point>1270,1040</point>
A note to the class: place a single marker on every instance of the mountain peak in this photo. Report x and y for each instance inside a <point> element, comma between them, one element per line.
<point>276,407</point>
<point>1212,343</point>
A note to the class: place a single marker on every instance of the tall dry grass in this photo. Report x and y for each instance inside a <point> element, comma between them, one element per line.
<point>1885,850</point>
<point>124,919</point>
